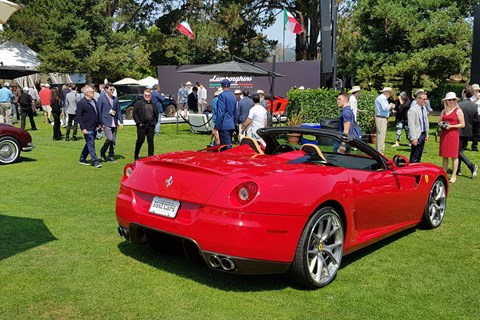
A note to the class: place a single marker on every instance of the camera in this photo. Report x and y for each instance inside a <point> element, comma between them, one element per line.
<point>112,112</point>
<point>444,125</point>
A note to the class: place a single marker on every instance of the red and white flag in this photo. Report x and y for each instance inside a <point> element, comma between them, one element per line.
<point>291,24</point>
<point>184,28</point>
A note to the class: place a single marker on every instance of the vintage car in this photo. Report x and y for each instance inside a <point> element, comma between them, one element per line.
<point>127,102</point>
<point>297,206</point>
<point>12,141</point>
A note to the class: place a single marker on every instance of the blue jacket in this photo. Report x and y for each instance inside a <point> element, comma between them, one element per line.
<point>157,100</point>
<point>226,106</point>
<point>104,107</point>
<point>87,115</point>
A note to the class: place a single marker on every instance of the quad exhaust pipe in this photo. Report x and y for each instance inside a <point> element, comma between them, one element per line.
<point>222,263</point>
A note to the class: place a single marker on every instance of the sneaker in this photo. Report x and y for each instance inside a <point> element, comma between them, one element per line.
<point>74,138</point>
<point>396,144</point>
<point>112,159</point>
<point>474,172</point>
<point>97,165</point>
<point>103,158</point>
<point>85,163</point>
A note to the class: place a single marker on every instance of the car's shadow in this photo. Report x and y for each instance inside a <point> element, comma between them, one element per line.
<point>21,234</point>
<point>177,263</point>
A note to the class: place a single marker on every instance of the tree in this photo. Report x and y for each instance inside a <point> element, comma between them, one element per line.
<point>405,43</point>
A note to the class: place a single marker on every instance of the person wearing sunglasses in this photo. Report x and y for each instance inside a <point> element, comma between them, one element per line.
<point>145,115</point>
<point>452,119</point>
<point>418,126</point>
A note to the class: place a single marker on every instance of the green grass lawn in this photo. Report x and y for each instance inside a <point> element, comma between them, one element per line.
<point>62,258</point>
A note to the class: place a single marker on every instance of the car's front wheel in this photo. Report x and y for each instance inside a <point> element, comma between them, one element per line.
<point>170,110</point>
<point>9,150</point>
<point>320,250</point>
<point>436,204</point>
<point>129,113</point>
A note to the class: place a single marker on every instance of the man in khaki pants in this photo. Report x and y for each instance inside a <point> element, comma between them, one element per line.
<point>382,111</point>
<point>6,97</point>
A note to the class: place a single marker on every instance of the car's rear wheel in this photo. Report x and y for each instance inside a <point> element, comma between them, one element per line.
<point>170,110</point>
<point>319,251</point>
<point>9,150</point>
<point>436,204</point>
<point>129,113</point>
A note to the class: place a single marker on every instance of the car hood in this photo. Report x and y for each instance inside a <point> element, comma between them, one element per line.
<point>194,176</point>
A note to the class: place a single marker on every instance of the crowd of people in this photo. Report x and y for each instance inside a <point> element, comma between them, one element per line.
<point>236,113</point>
<point>459,123</point>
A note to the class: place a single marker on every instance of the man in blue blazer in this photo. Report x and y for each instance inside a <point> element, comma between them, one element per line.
<point>110,120</point>
<point>88,118</point>
<point>225,119</point>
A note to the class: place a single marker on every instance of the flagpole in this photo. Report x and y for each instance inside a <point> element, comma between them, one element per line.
<point>283,41</point>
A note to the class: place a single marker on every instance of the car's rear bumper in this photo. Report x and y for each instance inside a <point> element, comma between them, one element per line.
<point>255,242</point>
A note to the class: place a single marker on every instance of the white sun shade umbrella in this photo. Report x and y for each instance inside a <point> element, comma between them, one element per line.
<point>6,10</point>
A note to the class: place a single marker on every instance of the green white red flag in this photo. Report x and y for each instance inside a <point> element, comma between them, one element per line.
<point>291,24</point>
<point>184,28</point>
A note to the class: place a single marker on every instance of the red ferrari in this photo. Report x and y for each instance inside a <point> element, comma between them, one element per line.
<point>297,206</point>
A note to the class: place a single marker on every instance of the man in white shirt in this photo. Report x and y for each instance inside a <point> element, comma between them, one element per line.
<point>352,102</point>
<point>257,118</point>
<point>202,97</point>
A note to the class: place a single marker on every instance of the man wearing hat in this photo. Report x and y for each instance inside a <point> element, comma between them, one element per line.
<point>418,126</point>
<point>25,102</point>
<point>382,111</point>
<point>6,97</point>
<point>45,94</point>
<point>225,119</point>
<point>352,101</point>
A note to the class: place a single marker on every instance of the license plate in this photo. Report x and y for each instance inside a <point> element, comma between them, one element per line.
<point>164,207</point>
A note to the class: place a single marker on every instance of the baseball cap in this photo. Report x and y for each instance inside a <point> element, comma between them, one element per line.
<point>225,83</point>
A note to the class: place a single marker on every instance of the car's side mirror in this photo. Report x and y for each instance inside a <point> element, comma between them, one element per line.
<point>400,161</point>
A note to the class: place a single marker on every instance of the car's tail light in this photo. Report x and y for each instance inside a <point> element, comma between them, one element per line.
<point>245,192</point>
<point>127,171</point>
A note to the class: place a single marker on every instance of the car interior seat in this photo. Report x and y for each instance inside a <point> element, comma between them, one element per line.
<point>252,143</point>
<point>312,149</point>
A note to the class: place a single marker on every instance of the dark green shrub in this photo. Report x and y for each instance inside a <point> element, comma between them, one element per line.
<point>439,93</point>
<point>316,104</point>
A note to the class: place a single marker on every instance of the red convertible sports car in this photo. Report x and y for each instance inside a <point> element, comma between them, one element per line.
<point>297,206</point>
<point>12,141</point>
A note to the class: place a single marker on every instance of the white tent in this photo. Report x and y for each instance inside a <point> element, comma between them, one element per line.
<point>148,81</point>
<point>15,54</point>
<point>6,10</point>
<point>127,82</point>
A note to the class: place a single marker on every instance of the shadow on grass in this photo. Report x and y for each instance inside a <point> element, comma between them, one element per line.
<point>352,257</point>
<point>21,234</point>
<point>177,263</point>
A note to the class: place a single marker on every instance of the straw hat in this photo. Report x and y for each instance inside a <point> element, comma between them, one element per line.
<point>450,96</point>
<point>216,93</point>
<point>475,87</point>
<point>386,89</point>
<point>238,91</point>
<point>355,89</point>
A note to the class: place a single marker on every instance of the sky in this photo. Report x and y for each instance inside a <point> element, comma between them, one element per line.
<point>275,32</point>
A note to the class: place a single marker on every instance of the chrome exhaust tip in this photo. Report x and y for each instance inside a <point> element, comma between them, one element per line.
<point>228,264</point>
<point>214,261</point>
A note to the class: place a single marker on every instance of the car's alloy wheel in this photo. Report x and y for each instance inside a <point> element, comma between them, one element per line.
<point>320,250</point>
<point>436,203</point>
<point>129,113</point>
<point>170,110</point>
<point>9,150</point>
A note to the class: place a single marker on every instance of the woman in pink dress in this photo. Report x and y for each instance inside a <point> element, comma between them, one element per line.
<point>451,120</point>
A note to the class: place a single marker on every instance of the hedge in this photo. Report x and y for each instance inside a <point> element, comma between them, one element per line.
<point>316,104</point>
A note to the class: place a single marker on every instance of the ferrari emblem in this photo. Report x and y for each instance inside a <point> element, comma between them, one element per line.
<point>320,247</point>
<point>168,182</point>
<point>426,178</point>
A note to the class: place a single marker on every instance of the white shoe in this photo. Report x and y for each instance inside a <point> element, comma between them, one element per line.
<point>396,144</point>
<point>475,171</point>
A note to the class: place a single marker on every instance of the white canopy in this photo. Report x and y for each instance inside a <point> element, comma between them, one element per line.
<point>6,10</point>
<point>148,81</point>
<point>127,82</point>
<point>15,54</point>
